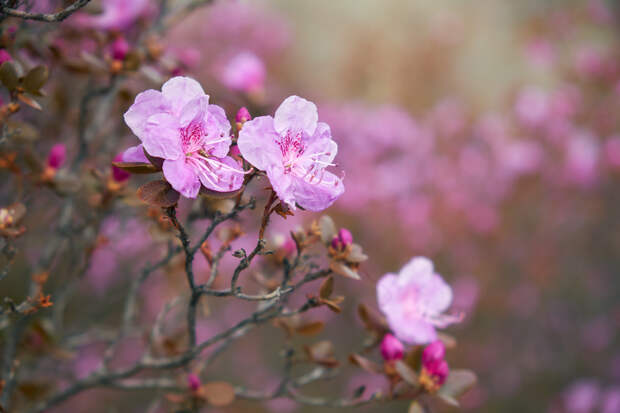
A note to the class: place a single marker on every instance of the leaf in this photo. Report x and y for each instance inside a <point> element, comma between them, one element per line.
<point>208,193</point>
<point>321,350</point>
<point>8,75</point>
<point>356,255</point>
<point>158,193</point>
<point>137,167</point>
<point>218,393</point>
<point>310,329</point>
<point>327,228</point>
<point>35,79</point>
<point>371,320</point>
<point>29,101</point>
<point>342,269</point>
<point>21,131</point>
<point>457,384</point>
<point>406,373</point>
<point>327,287</point>
<point>365,364</point>
<point>331,304</point>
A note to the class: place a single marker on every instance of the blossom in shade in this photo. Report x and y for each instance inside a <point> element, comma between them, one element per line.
<point>118,174</point>
<point>244,72</point>
<point>391,348</point>
<point>191,136</point>
<point>57,156</point>
<point>116,15</point>
<point>414,300</point>
<point>4,56</point>
<point>294,149</point>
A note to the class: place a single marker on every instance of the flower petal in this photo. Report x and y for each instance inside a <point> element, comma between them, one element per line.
<point>224,178</point>
<point>296,114</point>
<point>147,104</point>
<point>418,270</point>
<point>182,177</point>
<point>218,127</point>
<point>316,193</point>
<point>162,137</point>
<point>387,291</point>
<point>135,154</point>
<point>283,185</point>
<point>180,90</point>
<point>257,143</point>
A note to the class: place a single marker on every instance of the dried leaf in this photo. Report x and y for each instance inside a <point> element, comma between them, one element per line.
<point>8,75</point>
<point>327,287</point>
<point>364,363</point>
<point>310,329</point>
<point>406,373</point>
<point>29,101</point>
<point>219,195</point>
<point>371,320</point>
<point>327,228</point>
<point>158,193</point>
<point>218,393</point>
<point>332,305</point>
<point>341,268</point>
<point>35,79</point>
<point>356,255</point>
<point>137,167</point>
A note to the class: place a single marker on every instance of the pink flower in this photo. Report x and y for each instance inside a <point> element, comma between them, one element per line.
<point>245,72</point>
<point>433,362</point>
<point>343,239</point>
<point>193,381</point>
<point>116,15</point>
<point>243,115</point>
<point>4,56</point>
<point>118,174</point>
<point>414,300</point>
<point>57,156</point>
<point>391,348</point>
<point>293,148</point>
<point>119,48</point>
<point>193,137</point>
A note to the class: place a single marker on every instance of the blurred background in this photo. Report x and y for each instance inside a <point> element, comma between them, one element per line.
<point>483,134</point>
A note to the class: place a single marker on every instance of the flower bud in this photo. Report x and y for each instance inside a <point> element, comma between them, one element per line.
<point>119,48</point>
<point>193,381</point>
<point>342,240</point>
<point>433,352</point>
<point>4,56</point>
<point>118,174</point>
<point>243,115</point>
<point>391,348</point>
<point>234,151</point>
<point>438,370</point>
<point>57,156</point>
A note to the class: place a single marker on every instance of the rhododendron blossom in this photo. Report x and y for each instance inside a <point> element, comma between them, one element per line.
<point>413,301</point>
<point>294,149</point>
<point>245,72</point>
<point>116,15</point>
<point>193,137</point>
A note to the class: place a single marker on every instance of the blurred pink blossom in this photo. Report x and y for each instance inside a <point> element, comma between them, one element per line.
<point>244,72</point>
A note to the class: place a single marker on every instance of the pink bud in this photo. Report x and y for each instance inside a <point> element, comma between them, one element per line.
<point>433,352</point>
<point>193,381</point>
<point>243,115</point>
<point>4,56</point>
<point>118,174</point>
<point>57,156</point>
<point>391,348</point>
<point>439,370</point>
<point>119,48</point>
<point>342,240</point>
<point>234,151</point>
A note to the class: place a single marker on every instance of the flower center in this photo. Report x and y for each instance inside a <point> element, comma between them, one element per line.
<point>192,137</point>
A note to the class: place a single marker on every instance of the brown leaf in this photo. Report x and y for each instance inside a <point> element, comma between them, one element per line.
<point>371,320</point>
<point>137,167</point>
<point>29,101</point>
<point>364,363</point>
<point>158,193</point>
<point>333,306</point>
<point>356,255</point>
<point>342,269</point>
<point>219,195</point>
<point>310,329</point>
<point>35,79</point>
<point>406,373</point>
<point>327,228</point>
<point>218,393</point>
<point>327,287</point>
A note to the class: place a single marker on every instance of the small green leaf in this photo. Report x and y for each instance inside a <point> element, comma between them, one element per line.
<point>35,79</point>
<point>8,75</point>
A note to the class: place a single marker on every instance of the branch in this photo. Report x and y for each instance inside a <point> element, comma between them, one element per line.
<point>43,17</point>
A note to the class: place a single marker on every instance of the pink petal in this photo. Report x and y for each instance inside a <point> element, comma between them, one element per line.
<point>218,126</point>
<point>283,185</point>
<point>180,91</point>
<point>257,143</point>
<point>387,291</point>
<point>134,154</point>
<point>182,177</point>
<point>416,331</point>
<point>162,137</point>
<point>418,270</point>
<point>296,114</point>
<point>194,111</point>
<point>318,193</point>
<point>147,104</point>
<point>225,180</point>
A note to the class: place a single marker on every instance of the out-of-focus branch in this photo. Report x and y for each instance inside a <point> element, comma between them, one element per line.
<point>44,17</point>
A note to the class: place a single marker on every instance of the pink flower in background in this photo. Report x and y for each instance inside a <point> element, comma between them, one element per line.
<point>244,72</point>
<point>532,106</point>
<point>116,15</point>
<point>582,396</point>
<point>4,56</point>
<point>57,156</point>
<point>612,151</point>
<point>391,348</point>
<point>193,137</point>
<point>293,148</point>
<point>413,301</point>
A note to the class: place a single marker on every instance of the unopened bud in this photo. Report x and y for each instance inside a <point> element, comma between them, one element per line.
<point>391,348</point>
<point>57,156</point>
